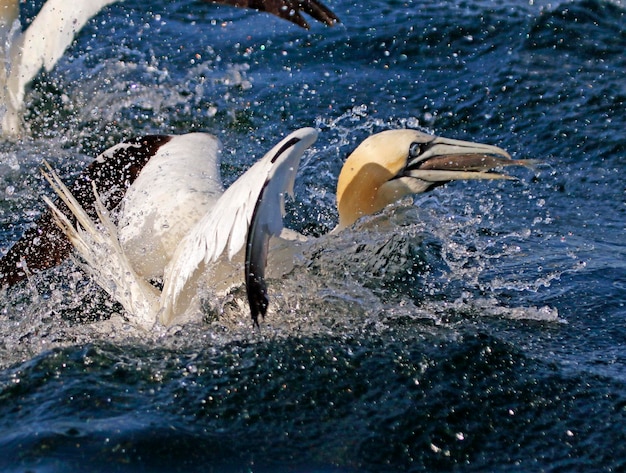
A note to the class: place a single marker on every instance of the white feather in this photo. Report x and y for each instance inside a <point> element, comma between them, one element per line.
<point>177,186</point>
<point>103,256</point>
<point>23,54</point>
<point>186,166</point>
<point>227,224</point>
<point>267,219</point>
<point>41,45</point>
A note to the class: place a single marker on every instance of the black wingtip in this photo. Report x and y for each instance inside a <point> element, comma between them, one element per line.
<point>289,10</point>
<point>257,297</point>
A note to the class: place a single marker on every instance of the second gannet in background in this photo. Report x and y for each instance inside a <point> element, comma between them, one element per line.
<point>176,222</point>
<point>24,53</point>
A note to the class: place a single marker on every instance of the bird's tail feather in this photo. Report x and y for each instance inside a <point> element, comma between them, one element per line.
<point>103,257</point>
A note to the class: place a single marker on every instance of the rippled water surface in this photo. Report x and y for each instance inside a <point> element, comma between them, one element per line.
<point>480,327</point>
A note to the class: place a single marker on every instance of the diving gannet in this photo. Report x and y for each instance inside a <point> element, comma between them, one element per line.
<point>175,221</point>
<point>24,53</point>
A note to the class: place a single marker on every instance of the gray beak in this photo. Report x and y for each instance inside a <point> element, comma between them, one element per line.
<point>443,160</point>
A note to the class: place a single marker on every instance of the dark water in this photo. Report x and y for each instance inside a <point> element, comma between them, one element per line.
<point>478,328</point>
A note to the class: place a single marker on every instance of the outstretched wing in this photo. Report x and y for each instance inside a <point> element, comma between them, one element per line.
<point>58,21</point>
<point>49,35</point>
<point>267,219</point>
<point>288,9</point>
<point>252,202</point>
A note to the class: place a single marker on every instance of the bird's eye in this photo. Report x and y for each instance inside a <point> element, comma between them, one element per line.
<point>415,150</point>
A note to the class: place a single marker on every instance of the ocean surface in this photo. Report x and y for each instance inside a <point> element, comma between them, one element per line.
<point>479,327</point>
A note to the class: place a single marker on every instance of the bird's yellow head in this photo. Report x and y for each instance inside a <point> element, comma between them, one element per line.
<point>394,163</point>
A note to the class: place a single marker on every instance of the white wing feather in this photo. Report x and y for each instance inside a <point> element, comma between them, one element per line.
<point>175,189</point>
<point>227,224</point>
<point>49,35</point>
<point>41,45</point>
<point>104,258</point>
<point>267,219</point>
<point>251,208</point>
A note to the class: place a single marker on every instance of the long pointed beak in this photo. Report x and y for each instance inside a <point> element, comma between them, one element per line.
<point>443,160</point>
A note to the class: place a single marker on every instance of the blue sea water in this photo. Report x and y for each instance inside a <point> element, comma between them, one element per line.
<point>480,327</point>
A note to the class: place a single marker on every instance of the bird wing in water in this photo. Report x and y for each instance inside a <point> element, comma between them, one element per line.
<point>177,187</point>
<point>267,219</point>
<point>251,208</point>
<point>58,21</point>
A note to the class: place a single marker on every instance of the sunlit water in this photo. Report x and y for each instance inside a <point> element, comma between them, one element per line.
<point>476,328</point>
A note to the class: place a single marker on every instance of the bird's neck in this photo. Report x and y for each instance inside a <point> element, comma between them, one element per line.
<point>357,191</point>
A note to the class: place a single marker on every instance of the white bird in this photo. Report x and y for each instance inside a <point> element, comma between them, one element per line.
<point>176,222</point>
<point>24,53</point>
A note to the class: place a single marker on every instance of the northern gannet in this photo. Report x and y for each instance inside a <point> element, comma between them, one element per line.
<point>24,53</point>
<point>175,220</point>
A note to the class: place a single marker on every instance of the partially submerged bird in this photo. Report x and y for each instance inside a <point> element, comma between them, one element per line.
<point>24,53</point>
<point>176,223</point>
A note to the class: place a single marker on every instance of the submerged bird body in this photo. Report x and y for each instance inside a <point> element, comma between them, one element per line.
<point>24,53</point>
<point>177,224</point>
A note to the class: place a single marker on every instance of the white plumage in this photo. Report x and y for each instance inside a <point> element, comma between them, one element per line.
<point>175,223</point>
<point>103,256</point>
<point>251,208</point>
<point>157,212</point>
<point>24,53</point>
